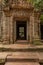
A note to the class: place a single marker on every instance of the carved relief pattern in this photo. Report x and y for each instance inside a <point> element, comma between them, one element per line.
<point>21,13</point>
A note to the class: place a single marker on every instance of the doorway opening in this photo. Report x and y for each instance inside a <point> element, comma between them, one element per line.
<point>41,30</point>
<point>41,63</point>
<point>21,27</point>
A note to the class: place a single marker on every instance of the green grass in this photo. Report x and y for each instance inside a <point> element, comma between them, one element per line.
<point>36,42</point>
<point>2,61</point>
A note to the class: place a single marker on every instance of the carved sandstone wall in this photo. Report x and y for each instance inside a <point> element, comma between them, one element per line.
<point>19,11</point>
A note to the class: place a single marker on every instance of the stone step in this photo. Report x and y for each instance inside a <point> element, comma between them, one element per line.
<point>20,47</point>
<point>16,46</point>
<point>22,63</point>
<point>21,41</point>
<point>22,56</point>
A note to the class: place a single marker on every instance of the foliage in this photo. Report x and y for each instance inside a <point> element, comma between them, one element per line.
<point>41,18</point>
<point>38,5</point>
<point>5,2</point>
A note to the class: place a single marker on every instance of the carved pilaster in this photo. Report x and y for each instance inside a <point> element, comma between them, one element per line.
<point>32,27</point>
<point>4,28</point>
<point>37,28</point>
<point>11,30</point>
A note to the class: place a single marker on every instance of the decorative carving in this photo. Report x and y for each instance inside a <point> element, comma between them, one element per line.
<point>19,4</point>
<point>21,13</point>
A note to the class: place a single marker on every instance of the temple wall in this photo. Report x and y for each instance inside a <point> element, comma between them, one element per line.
<point>9,25</point>
<point>9,28</point>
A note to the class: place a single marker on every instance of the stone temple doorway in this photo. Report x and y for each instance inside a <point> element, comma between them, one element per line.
<point>21,30</point>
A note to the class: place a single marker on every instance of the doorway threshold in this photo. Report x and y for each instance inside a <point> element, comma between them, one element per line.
<point>22,41</point>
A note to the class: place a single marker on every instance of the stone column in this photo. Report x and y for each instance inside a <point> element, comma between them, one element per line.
<point>6,21</point>
<point>7,29</point>
<point>31,27</point>
<point>30,30</point>
<point>14,31</point>
<point>37,30</point>
<point>4,28</point>
<point>11,30</point>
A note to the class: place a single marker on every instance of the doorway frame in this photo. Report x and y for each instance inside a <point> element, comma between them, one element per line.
<point>14,30</point>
